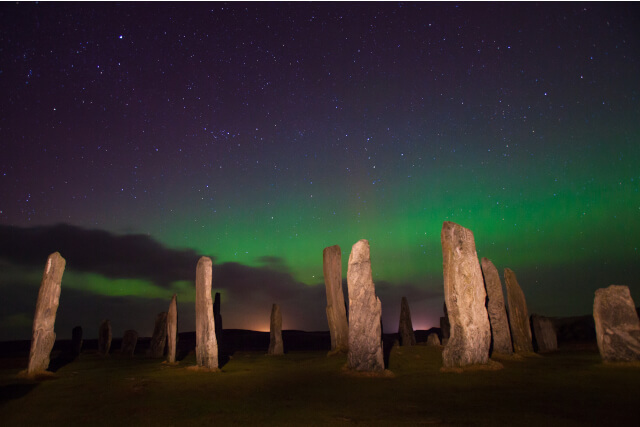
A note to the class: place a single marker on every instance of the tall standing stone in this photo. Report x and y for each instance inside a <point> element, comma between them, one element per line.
<point>43,336</point>
<point>518,314</point>
<point>405,328</point>
<point>159,337</point>
<point>104,337</point>
<point>544,334</point>
<point>275,332</point>
<point>129,341</point>
<point>217,318</point>
<point>617,324</point>
<point>172,329</point>
<point>445,326</point>
<point>206,344</point>
<point>365,310</point>
<point>76,341</point>
<point>336,311</point>
<point>465,298</point>
<point>500,334</point>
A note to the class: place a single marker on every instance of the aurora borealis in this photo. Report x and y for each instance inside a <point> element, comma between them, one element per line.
<point>260,133</point>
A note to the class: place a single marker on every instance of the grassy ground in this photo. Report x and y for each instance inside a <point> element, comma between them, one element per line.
<point>307,388</point>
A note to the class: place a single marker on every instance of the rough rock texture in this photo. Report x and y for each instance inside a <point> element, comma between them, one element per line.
<point>405,328</point>
<point>159,337</point>
<point>365,309</point>
<point>433,339</point>
<point>544,334</point>
<point>518,314</point>
<point>336,311</point>
<point>217,317</point>
<point>76,341</point>
<point>104,337</point>
<point>465,298</point>
<point>129,341</point>
<point>172,329</point>
<point>275,334</point>
<point>44,320</point>
<point>445,326</point>
<point>206,344</point>
<point>617,324</point>
<point>500,334</point>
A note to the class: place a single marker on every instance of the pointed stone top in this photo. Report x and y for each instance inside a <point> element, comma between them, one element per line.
<point>360,251</point>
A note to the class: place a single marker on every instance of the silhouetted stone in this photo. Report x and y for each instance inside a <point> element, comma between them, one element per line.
<point>159,337</point>
<point>336,311</point>
<point>518,314</point>
<point>617,324</point>
<point>43,336</point>
<point>172,329</point>
<point>445,326</point>
<point>405,328</point>
<point>217,317</point>
<point>365,309</point>
<point>76,341</point>
<point>104,337</point>
<point>129,341</point>
<point>433,339</point>
<point>206,344</point>
<point>275,332</point>
<point>465,297</point>
<point>500,334</point>
<point>544,334</point>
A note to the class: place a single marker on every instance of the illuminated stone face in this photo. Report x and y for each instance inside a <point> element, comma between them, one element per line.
<point>465,299</point>
<point>206,344</point>
<point>518,314</point>
<point>336,311</point>
<point>275,332</point>
<point>500,334</point>
<point>617,324</point>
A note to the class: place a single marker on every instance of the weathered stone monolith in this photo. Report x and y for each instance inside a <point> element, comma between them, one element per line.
<point>275,332</point>
<point>104,337</point>
<point>433,339</point>
<point>544,335</point>
<point>159,337</point>
<point>365,309</point>
<point>465,298</point>
<point>129,341</point>
<point>405,328</point>
<point>43,336</point>
<point>217,318</point>
<point>500,334</point>
<point>617,324</point>
<point>518,314</point>
<point>206,344</point>
<point>172,329</point>
<point>336,311</point>
<point>76,341</point>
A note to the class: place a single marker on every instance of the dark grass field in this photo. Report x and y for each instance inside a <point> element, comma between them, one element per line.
<point>567,388</point>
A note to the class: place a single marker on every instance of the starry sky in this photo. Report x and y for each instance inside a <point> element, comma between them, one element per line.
<point>135,138</point>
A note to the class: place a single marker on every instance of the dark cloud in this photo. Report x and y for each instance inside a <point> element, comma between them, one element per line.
<point>98,251</point>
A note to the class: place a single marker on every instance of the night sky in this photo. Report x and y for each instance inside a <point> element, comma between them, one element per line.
<point>135,138</point>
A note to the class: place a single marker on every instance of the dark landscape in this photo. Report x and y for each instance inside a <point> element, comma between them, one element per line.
<point>305,387</point>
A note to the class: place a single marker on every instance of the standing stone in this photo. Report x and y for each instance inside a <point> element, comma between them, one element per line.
<point>76,341</point>
<point>433,339</point>
<point>336,311</point>
<point>405,328</point>
<point>445,326</point>
<point>43,336</point>
<point>544,334</point>
<point>617,324</point>
<point>206,344</point>
<point>465,298</point>
<point>129,341</point>
<point>172,329</point>
<point>104,337</point>
<point>159,337</point>
<point>275,333</point>
<point>500,334</point>
<point>365,310</point>
<point>518,314</point>
<point>217,318</point>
